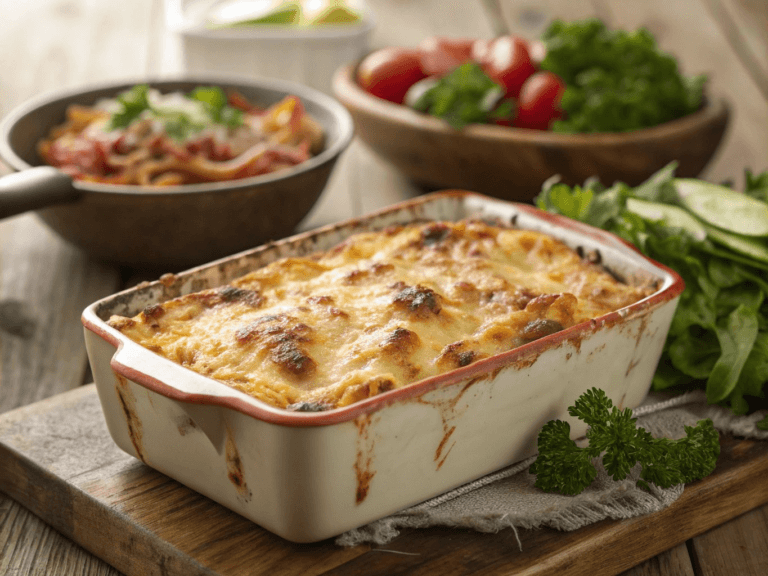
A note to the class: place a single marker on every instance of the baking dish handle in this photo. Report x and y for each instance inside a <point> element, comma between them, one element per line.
<point>35,188</point>
<point>190,390</point>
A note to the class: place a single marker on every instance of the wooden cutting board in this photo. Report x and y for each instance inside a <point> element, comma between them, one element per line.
<point>57,459</point>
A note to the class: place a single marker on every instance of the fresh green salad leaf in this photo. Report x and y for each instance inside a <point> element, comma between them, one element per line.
<point>724,208</point>
<point>466,96</point>
<point>615,80</point>
<point>756,185</point>
<point>562,466</point>
<point>179,124</point>
<point>718,340</point>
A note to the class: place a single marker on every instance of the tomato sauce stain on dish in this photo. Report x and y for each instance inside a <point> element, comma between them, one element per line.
<point>235,468</point>
<point>364,460</point>
<point>128,404</point>
<point>186,425</point>
<point>448,412</point>
<point>440,447</point>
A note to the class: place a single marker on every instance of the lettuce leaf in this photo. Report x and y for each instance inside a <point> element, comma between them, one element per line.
<point>718,340</point>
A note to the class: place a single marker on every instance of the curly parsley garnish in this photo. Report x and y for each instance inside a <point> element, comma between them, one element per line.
<point>178,124</point>
<point>616,80</point>
<point>562,466</point>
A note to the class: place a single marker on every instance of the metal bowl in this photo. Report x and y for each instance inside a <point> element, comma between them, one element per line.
<point>169,227</point>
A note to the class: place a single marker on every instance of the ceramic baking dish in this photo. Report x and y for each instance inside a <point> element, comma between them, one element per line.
<point>309,476</point>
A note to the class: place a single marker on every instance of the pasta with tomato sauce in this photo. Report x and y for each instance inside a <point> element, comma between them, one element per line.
<point>146,138</point>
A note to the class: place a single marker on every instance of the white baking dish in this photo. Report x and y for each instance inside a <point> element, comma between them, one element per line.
<point>308,55</point>
<point>309,476</point>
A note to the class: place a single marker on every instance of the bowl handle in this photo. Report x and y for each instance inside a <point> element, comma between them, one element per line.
<point>35,188</point>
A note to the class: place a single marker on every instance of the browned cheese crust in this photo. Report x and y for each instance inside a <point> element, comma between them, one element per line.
<point>380,311</point>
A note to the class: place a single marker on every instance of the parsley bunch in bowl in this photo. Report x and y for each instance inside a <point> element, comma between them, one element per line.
<point>616,80</point>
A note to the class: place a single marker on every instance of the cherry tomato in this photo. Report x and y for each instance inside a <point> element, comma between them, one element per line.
<point>479,52</point>
<point>79,155</point>
<point>507,62</point>
<point>389,72</point>
<point>538,50</point>
<point>539,101</point>
<point>441,55</point>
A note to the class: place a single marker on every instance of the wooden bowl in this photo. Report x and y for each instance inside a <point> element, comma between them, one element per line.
<point>512,163</point>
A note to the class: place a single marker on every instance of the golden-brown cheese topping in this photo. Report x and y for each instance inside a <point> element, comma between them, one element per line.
<point>379,311</point>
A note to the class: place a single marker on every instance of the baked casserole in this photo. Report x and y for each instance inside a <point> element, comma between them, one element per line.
<point>380,311</point>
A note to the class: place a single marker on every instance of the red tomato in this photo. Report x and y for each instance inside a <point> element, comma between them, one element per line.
<point>539,101</point>
<point>389,72</point>
<point>441,55</point>
<point>538,51</point>
<point>507,61</point>
<point>480,49</point>
<point>79,156</point>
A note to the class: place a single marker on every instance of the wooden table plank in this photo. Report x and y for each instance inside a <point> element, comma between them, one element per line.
<point>44,286</point>
<point>739,546</point>
<point>30,546</point>
<point>62,464</point>
<point>44,282</point>
<point>675,561</point>
<point>408,23</point>
<point>745,25</point>
<point>530,19</point>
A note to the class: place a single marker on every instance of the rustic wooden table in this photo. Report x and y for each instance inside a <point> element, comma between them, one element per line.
<point>45,283</point>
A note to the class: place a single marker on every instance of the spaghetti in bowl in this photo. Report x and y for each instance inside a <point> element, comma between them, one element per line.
<point>147,138</point>
<point>168,227</point>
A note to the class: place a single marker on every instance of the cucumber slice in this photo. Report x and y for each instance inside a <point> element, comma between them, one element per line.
<point>670,215</point>
<point>724,208</point>
<point>750,246</point>
<point>747,245</point>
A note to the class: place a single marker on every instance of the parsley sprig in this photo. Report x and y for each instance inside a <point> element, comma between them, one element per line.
<point>133,102</point>
<point>178,124</point>
<point>564,467</point>
<point>215,102</point>
<point>616,80</point>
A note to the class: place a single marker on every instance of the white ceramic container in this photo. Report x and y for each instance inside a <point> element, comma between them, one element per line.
<point>307,55</point>
<point>310,476</point>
